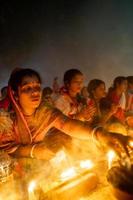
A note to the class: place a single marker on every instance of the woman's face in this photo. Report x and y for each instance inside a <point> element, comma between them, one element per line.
<point>29,93</point>
<point>76,83</point>
<point>100,92</point>
<point>123,86</point>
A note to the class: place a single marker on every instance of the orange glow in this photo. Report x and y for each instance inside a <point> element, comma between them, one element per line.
<point>69,173</point>
<point>110,156</point>
<point>86,164</point>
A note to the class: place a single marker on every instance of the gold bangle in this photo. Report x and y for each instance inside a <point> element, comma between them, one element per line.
<point>32,150</point>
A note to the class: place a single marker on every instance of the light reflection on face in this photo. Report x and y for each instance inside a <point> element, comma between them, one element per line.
<point>29,93</point>
<point>100,91</point>
<point>76,83</point>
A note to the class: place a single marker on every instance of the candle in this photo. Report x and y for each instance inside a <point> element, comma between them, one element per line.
<point>86,164</point>
<point>110,155</point>
<point>31,189</point>
<point>69,173</point>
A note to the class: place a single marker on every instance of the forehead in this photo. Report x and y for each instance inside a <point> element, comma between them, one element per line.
<point>101,86</point>
<point>29,80</point>
<point>78,77</point>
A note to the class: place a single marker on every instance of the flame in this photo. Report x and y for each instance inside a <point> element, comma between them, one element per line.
<point>32,186</point>
<point>69,173</point>
<point>110,155</point>
<point>59,157</point>
<point>131,143</point>
<point>86,164</point>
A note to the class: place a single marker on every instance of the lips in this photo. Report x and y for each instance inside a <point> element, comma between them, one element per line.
<point>35,99</point>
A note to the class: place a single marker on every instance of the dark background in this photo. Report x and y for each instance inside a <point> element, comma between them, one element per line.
<point>95,36</point>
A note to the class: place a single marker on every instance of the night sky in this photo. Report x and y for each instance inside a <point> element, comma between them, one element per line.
<point>95,36</point>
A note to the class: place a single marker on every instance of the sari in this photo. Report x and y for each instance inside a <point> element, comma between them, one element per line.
<point>17,129</point>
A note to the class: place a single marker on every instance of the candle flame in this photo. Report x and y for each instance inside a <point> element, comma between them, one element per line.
<point>110,155</point>
<point>69,173</point>
<point>131,143</point>
<point>86,164</point>
<point>32,186</point>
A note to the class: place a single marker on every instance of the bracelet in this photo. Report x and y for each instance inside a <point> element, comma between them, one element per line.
<point>93,132</point>
<point>31,151</point>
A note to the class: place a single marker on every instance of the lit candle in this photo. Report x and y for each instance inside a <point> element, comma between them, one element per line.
<point>86,164</point>
<point>69,173</point>
<point>31,189</point>
<point>131,143</point>
<point>110,155</point>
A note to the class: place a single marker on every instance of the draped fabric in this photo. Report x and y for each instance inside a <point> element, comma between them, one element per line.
<point>17,129</point>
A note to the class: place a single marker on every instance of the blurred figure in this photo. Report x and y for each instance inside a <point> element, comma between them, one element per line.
<point>130,94</point>
<point>5,101</point>
<point>116,93</point>
<point>47,95</point>
<point>84,95</point>
<point>55,85</point>
<point>96,90</point>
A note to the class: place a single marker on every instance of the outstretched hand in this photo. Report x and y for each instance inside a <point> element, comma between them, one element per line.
<point>118,142</point>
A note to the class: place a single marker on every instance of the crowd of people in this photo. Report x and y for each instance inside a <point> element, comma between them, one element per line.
<point>32,117</point>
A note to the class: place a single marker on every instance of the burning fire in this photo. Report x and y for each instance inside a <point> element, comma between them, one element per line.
<point>69,173</point>
<point>86,164</point>
<point>110,156</point>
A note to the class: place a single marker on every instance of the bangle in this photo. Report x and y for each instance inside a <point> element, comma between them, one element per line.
<point>31,151</point>
<point>93,133</point>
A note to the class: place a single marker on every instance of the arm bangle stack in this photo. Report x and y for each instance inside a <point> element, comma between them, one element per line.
<point>32,150</point>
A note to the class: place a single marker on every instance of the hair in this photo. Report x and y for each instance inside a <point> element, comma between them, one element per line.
<point>69,74</point>
<point>117,81</point>
<point>93,85</point>
<point>47,91</point>
<point>18,74</point>
<point>130,79</point>
<point>4,90</point>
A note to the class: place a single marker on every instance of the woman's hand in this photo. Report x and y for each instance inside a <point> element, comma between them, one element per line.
<point>120,143</point>
<point>42,152</point>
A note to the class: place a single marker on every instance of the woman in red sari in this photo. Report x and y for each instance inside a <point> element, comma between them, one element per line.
<point>22,132</point>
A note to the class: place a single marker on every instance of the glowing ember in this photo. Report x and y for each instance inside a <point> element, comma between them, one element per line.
<point>69,173</point>
<point>86,164</point>
<point>111,155</point>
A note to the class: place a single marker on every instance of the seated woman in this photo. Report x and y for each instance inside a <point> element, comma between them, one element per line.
<point>69,101</point>
<point>96,90</point>
<point>116,94</point>
<point>23,130</point>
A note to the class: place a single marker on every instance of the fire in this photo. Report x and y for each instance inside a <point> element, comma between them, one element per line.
<point>110,155</point>
<point>69,173</point>
<point>131,143</point>
<point>31,188</point>
<point>86,164</point>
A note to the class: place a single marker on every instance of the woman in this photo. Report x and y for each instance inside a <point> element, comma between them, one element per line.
<point>69,101</point>
<point>96,90</point>
<point>116,95</point>
<point>23,131</point>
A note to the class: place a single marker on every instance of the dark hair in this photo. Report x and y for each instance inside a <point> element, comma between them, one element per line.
<point>4,91</point>
<point>130,79</point>
<point>47,91</point>
<point>93,85</point>
<point>69,74</point>
<point>18,74</point>
<point>118,81</point>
